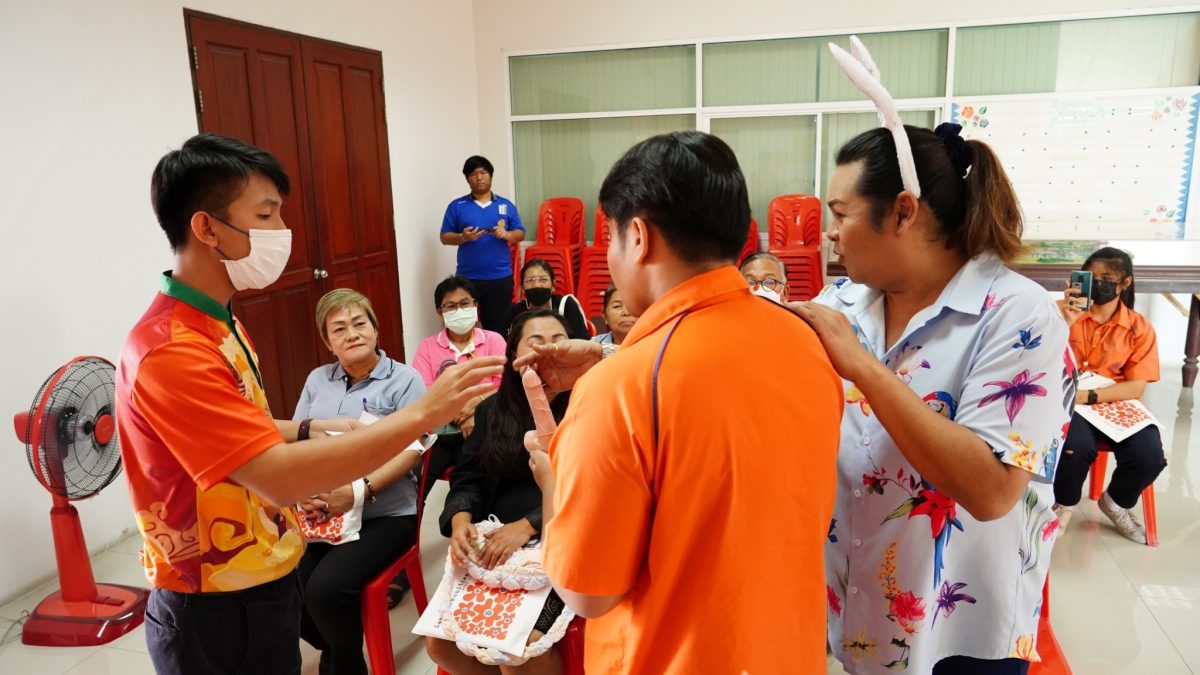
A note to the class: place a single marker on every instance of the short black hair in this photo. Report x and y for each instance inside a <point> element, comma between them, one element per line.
<point>688,185</point>
<point>451,283</point>
<point>207,174</point>
<point>537,262</point>
<point>477,162</point>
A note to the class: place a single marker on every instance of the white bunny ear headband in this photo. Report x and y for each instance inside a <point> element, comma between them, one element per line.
<point>863,72</point>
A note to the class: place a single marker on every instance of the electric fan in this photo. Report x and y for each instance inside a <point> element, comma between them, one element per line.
<point>70,439</point>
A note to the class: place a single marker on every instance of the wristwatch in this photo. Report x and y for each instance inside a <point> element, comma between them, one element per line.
<point>1093,398</point>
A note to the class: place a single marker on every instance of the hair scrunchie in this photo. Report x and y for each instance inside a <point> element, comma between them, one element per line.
<point>960,153</point>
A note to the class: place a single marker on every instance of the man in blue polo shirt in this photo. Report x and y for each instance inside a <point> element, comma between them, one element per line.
<point>482,225</point>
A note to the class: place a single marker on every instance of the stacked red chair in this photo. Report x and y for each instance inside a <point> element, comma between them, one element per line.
<point>751,246</point>
<point>561,261</point>
<point>560,240</point>
<point>794,236</point>
<point>601,235</point>
<point>594,277</point>
<point>514,252</point>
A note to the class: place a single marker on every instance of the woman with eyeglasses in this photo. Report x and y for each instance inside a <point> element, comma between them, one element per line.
<point>537,285</point>
<point>460,339</point>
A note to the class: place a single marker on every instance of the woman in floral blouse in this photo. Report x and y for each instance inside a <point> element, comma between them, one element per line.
<point>957,380</point>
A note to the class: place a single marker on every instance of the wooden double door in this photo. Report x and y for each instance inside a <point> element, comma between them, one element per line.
<point>318,107</point>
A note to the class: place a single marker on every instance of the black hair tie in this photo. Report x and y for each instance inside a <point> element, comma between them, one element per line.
<point>960,153</point>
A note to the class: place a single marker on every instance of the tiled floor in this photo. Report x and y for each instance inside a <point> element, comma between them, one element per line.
<point>1119,608</point>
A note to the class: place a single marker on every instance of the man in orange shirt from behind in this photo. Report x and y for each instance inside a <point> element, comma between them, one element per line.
<point>689,488</point>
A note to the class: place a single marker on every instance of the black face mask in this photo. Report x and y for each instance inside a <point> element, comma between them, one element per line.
<point>538,296</point>
<point>1104,291</point>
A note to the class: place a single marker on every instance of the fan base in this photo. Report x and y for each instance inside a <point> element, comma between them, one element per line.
<point>114,611</point>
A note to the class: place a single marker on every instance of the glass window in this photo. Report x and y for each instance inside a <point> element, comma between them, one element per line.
<point>1096,54</point>
<point>776,155</point>
<point>912,64</point>
<point>570,158</point>
<point>761,71</point>
<point>621,79</point>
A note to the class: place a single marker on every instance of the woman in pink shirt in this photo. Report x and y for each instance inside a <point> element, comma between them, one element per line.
<point>460,339</point>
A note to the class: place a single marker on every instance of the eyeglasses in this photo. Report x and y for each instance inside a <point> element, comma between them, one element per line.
<point>537,280</point>
<point>462,304</point>
<point>769,284</point>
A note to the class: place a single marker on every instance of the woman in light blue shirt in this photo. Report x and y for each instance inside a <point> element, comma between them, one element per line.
<point>618,320</point>
<point>362,379</point>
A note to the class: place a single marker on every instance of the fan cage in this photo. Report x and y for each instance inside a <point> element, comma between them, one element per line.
<point>63,451</point>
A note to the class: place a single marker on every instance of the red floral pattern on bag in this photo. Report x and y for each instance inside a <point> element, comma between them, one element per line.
<point>487,612</point>
<point>329,529</point>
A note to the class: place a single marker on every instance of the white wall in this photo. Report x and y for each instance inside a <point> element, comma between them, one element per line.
<point>91,95</point>
<point>520,25</point>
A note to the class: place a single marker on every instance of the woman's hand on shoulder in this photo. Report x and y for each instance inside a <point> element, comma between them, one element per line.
<point>851,360</point>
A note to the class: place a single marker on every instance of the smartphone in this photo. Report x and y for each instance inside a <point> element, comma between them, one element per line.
<point>1082,282</point>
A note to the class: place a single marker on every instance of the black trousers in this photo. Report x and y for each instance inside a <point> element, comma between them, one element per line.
<point>445,453</point>
<point>495,297</point>
<point>965,665</point>
<point>1139,461</point>
<point>332,578</point>
<point>251,631</point>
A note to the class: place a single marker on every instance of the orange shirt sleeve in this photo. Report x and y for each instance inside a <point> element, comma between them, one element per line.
<point>596,542</point>
<point>1143,360</point>
<point>186,393</point>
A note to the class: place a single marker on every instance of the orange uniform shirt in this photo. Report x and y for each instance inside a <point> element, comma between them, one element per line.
<point>190,410</point>
<point>715,534</point>
<point>1122,348</point>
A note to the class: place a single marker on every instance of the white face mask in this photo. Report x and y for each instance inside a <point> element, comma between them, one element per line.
<point>269,253</point>
<point>461,321</point>
<point>773,296</point>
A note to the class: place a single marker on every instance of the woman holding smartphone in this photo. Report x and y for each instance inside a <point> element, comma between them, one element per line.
<point>1110,339</point>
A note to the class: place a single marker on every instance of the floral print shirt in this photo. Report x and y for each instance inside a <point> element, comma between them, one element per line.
<point>911,577</point>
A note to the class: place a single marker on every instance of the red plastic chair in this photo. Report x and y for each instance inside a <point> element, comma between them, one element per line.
<point>601,235</point>
<point>751,246</point>
<point>570,647</point>
<point>514,252</point>
<point>560,221</point>
<point>804,276</point>
<point>560,260</point>
<point>377,627</point>
<point>594,279</point>
<point>794,221</point>
<point>1053,662</point>
<point>1149,513</point>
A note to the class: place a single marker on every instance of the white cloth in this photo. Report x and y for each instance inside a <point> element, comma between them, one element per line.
<point>912,577</point>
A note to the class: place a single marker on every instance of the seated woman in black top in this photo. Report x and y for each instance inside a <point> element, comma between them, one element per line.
<point>537,284</point>
<point>493,479</point>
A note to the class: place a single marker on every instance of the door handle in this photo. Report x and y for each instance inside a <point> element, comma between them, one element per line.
<point>319,273</point>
